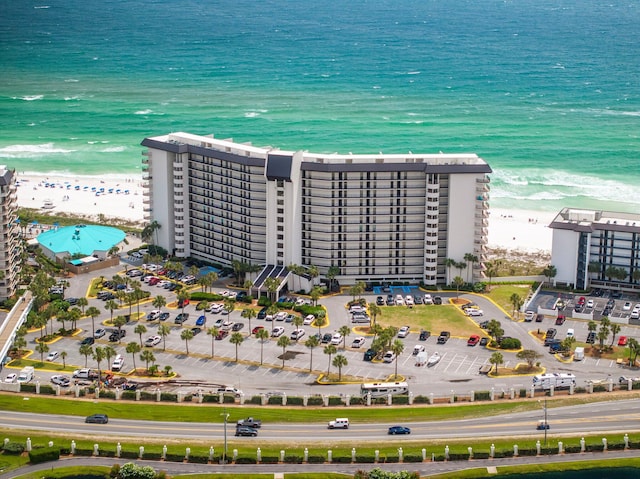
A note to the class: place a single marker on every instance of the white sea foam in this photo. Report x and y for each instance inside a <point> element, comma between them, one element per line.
<point>71,80</point>
<point>71,98</point>
<point>144,112</point>
<point>30,151</point>
<point>251,114</point>
<point>29,97</point>
<point>114,149</point>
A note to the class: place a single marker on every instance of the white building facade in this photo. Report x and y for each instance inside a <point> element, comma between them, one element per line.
<point>373,217</point>
<point>9,229</point>
<point>598,249</point>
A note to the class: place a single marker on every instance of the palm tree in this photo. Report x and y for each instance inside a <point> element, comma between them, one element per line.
<point>82,302</point>
<point>272,285</point>
<point>163,331</point>
<point>148,357</point>
<point>248,314</point>
<point>211,278</point>
<point>159,301</point>
<point>109,353</point>
<point>339,362</point>
<point>111,306</point>
<point>312,343</point>
<point>374,312</point>
<point>297,321</point>
<point>182,298</point>
<point>118,322</point>
<point>93,313</point>
<point>516,300</point>
<point>283,342</point>
<point>330,350</point>
<point>262,335</point>
<point>86,350</point>
<point>63,356</point>
<point>634,349</point>
<point>140,329</point>
<point>42,348</point>
<point>397,347</point>
<point>458,282</point>
<point>315,294</point>
<point>449,263</point>
<point>272,311</point>
<point>229,306</point>
<point>469,258</point>
<point>615,329</point>
<point>213,332</point>
<point>237,339</point>
<point>186,335</point>
<point>98,357</point>
<point>134,348</point>
<point>497,359</point>
<point>603,333</point>
<point>344,331</point>
<point>332,272</point>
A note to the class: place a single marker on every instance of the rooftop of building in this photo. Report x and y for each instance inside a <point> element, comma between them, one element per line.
<point>591,220</point>
<point>81,239</point>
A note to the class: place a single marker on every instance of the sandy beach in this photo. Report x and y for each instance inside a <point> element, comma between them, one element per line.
<point>121,197</point>
<point>115,197</point>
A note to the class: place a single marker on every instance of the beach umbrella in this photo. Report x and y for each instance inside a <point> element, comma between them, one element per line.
<point>34,222</point>
<point>18,220</point>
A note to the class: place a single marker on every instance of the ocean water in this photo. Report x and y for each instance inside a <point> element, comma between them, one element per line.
<point>547,92</point>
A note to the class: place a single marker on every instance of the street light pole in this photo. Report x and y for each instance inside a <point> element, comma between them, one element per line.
<point>546,424</point>
<point>224,454</point>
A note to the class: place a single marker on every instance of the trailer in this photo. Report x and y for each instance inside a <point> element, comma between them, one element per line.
<point>555,380</point>
<point>26,375</point>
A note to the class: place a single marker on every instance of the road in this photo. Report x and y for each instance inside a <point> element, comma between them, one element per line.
<point>617,417</point>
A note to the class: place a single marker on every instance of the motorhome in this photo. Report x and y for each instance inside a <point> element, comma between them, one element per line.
<point>376,390</point>
<point>26,374</point>
<point>555,380</point>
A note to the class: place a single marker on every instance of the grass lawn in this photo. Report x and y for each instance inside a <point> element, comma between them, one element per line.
<point>434,318</point>
<point>501,294</point>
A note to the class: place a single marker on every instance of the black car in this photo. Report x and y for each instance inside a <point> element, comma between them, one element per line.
<point>196,331</point>
<point>551,333</point>
<point>246,431</point>
<point>326,338</point>
<point>399,430</point>
<point>417,299</point>
<point>484,341</point>
<point>424,335</point>
<point>539,318</point>
<point>97,419</point>
<point>437,300</point>
<point>237,326</point>
<point>380,301</point>
<point>181,318</point>
<point>444,337</point>
<point>88,341</point>
<point>591,337</point>
<point>164,316</point>
<point>262,313</point>
<point>117,335</point>
<point>390,300</point>
<point>369,355</point>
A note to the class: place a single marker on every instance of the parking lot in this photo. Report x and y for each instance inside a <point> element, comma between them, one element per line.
<point>457,369</point>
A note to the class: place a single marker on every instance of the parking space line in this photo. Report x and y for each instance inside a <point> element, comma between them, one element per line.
<point>461,363</point>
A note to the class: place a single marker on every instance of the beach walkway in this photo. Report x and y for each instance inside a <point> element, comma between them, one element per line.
<point>16,317</point>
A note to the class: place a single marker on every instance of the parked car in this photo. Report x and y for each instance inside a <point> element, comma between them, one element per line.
<point>474,312</point>
<point>297,334</point>
<point>484,341</point>
<point>326,338</point>
<point>591,337</point>
<point>389,356</point>
<point>380,301</point>
<point>237,326</point>
<point>444,337</point>
<point>256,329</point>
<point>163,316</point>
<point>61,380</point>
<point>473,340</point>
<point>117,335</point>
<point>196,331</point>
<point>181,318</point>
<point>529,315</point>
<point>222,334</point>
<point>152,341</point>
<point>201,321</point>
<point>560,320</point>
<point>153,315</point>
<point>11,378</point>
<point>539,318</point>
<point>52,356</point>
<point>99,333</point>
<point>277,332</point>
<point>369,354</point>
<point>424,335</point>
<point>308,319</point>
<point>399,430</point>
<point>357,342</point>
<point>404,331</point>
<point>336,338</point>
<point>417,349</point>
<point>622,341</point>
<point>88,341</point>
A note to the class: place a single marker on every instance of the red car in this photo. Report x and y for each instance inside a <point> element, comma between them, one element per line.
<point>581,300</point>
<point>560,319</point>
<point>473,340</point>
<point>222,334</point>
<point>153,281</point>
<point>256,329</point>
<point>622,341</point>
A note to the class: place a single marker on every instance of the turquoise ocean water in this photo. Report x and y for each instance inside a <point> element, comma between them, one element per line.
<point>547,92</point>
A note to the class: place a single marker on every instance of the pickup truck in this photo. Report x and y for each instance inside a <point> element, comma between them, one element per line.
<point>249,422</point>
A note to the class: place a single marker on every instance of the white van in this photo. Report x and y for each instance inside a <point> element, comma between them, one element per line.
<point>118,363</point>
<point>578,354</point>
<point>570,333</point>
<point>339,423</point>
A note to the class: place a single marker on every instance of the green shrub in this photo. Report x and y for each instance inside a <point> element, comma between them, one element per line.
<point>14,448</point>
<point>246,460</point>
<point>255,400</point>
<point>413,458</point>
<point>365,459</point>
<point>105,394</point>
<point>510,343</point>
<point>146,396</point>
<point>315,401</point>
<point>336,401</point>
<point>315,460</point>
<point>27,388</point>
<point>168,397</point>
<point>128,395</point>
<point>264,301</point>
<point>47,389</point>
<point>292,460</point>
<point>295,401</point>
<point>275,401</point>
<point>400,400</point>
<point>341,459</point>
<point>482,395</point>
<point>421,399</point>
<point>269,460</point>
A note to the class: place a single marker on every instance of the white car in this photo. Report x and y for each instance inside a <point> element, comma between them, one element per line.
<point>11,378</point>
<point>224,293</point>
<point>152,341</point>
<point>404,331</point>
<point>590,304</point>
<point>417,349</point>
<point>308,319</point>
<point>52,356</point>
<point>99,333</point>
<point>232,294</point>
<point>336,338</point>
<point>297,334</point>
<point>358,342</point>
<point>399,300</point>
<point>215,308</point>
<point>61,380</point>
<point>427,299</point>
<point>474,312</point>
<point>389,356</point>
<point>277,331</point>
<point>153,315</point>
<point>281,316</point>
<point>299,302</point>
<point>408,300</point>
<point>228,324</point>
<point>627,306</point>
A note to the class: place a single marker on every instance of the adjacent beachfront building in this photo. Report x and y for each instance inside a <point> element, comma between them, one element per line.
<point>372,217</point>
<point>10,244</point>
<point>598,249</point>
